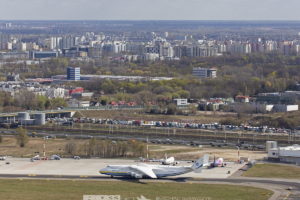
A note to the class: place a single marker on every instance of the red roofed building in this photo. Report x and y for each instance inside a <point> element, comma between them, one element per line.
<point>242,99</point>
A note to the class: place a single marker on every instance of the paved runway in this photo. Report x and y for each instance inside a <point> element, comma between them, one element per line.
<point>91,167</point>
<point>87,169</point>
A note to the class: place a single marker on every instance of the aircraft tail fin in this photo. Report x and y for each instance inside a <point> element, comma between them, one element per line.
<point>201,162</point>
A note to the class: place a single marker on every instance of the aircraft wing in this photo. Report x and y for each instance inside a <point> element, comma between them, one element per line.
<point>144,170</point>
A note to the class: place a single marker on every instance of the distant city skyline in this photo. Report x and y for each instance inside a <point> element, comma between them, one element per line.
<point>149,10</point>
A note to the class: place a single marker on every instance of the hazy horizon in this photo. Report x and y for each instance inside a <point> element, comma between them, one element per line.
<point>141,10</point>
<point>160,20</point>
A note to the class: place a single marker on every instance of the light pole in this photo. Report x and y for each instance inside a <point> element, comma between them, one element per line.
<point>238,153</point>
<point>147,149</point>
<point>44,149</point>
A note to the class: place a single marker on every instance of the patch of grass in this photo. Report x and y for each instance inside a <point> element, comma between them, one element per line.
<point>273,171</point>
<point>155,147</point>
<point>73,190</point>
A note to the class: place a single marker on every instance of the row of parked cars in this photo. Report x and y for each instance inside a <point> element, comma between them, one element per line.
<point>211,126</point>
<point>53,157</point>
<point>38,157</point>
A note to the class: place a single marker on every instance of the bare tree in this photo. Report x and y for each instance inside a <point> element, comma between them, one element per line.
<point>22,137</point>
<point>71,148</point>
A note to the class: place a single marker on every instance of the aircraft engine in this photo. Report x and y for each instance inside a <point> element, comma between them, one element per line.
<point>134,175</point>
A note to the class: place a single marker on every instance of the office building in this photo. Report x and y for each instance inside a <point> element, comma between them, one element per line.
<point>73,73</point>
<point>43,54</point>
<point>204,72</point>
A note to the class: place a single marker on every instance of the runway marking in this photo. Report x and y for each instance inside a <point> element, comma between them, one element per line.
<point>30,165</point>
<point>31,174</point>
<point>287,196</point>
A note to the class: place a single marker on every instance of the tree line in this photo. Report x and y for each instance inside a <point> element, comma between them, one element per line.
<point>107,148</point>
<point>26,100</point>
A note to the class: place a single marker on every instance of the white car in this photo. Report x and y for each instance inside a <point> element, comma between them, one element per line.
<point>55,157</point>
<point>2,157</point>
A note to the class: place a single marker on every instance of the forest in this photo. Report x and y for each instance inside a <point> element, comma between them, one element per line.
<point>237,75</point>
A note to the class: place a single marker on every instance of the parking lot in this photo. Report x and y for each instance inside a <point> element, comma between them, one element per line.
<point>173,124</point>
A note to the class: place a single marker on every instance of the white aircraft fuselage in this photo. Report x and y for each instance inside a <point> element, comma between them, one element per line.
<point>158,170</point>
<point>153,171</point>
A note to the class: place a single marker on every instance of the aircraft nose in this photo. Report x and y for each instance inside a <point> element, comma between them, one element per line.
<point>101,171</point>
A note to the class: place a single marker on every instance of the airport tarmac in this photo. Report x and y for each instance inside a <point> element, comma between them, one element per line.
<point>91,167</point>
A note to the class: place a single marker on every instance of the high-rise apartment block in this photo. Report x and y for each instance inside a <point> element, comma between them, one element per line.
<point>4,40</point>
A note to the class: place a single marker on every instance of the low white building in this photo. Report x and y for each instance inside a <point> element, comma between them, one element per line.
<point>181,102</point>
<point>74,103</point>
<point>285,108</point>
<point>263,107</point>
<point>290,154</point>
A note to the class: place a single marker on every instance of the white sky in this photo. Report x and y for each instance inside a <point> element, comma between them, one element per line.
<point>150,9</point>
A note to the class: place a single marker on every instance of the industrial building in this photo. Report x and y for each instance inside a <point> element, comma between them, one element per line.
<point>289,154</point>
<point>24,119</point>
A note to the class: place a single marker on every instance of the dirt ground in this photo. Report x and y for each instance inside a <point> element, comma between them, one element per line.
<point>57,146</point>
<point>9,147</point>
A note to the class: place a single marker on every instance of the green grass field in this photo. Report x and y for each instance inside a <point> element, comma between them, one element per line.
<point>273,171</point>
<point>73,190</point>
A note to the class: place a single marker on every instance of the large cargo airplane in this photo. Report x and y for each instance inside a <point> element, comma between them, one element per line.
<point>154,171</point>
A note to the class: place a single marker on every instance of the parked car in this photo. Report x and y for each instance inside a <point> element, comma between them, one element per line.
<point>76,157</point>
<point>55,157</point>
